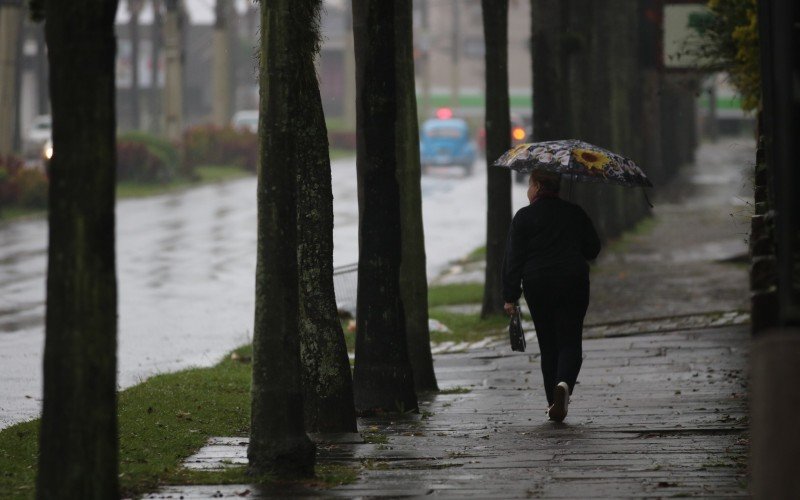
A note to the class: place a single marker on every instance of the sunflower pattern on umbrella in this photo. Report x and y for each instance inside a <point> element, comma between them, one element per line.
<point>581,160</point>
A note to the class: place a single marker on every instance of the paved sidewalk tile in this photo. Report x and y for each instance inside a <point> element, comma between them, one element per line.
<point>658,415</point>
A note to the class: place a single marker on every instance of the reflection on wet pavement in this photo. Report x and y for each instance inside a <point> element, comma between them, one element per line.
<point>185,271</point>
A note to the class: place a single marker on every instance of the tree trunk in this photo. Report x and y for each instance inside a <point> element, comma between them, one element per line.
<point>551,120</point>
<point>383,378</point>
<point>78,437</point>
<point>173,91</point>
<point>135,8</point>
<point>413,275</point>
<point>156,40</point>
<point>10,27</point>
<point>327,383</point>
<point>289,41</point>
<point>221,65</point>
<point>498,140</point>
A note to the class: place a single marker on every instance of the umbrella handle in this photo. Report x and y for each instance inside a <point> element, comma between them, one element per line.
<point>571,182</point>
<point>646,198</point>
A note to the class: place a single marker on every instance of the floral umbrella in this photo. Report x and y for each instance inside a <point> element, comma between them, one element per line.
<point>579,160</point>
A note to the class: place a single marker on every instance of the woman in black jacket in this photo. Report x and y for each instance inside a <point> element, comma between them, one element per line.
<point>548,247</point>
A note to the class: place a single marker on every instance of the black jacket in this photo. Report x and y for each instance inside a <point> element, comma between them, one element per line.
<point>550,235</point>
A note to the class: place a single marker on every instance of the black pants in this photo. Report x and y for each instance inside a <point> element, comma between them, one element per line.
<point>558,305</point>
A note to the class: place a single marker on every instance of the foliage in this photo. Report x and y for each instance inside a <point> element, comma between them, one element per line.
<point>730,40</point>
<point>158,146</point>
<point>22,187</point>
<point>212,145</point>
<point>144,158</point>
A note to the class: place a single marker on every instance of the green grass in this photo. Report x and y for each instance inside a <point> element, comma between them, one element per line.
<point>207,174</point>
<point>161,422</point>
<point>460,293</point>
<point>476,255</point>
<point>337,154</point>
<point>467,327</point>
<point>642,228</point>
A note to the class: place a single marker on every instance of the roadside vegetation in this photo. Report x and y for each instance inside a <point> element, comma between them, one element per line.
<point>163,421</point>
<point>146,166</point>
<point>169,417</point>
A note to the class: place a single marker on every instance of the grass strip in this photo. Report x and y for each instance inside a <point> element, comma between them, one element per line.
<point>162,421</point>
<point>457,293</point>
<point>169,417</point>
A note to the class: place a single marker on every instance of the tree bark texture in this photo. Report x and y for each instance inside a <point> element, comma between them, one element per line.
<point>413,274</point>
<point>278,442</point>
<point>327,382</point>
<point>78,433</point>
<point>382,379</point>
<point>498,140</point>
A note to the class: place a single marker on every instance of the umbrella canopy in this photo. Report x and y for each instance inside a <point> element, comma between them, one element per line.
<point>580,160</point>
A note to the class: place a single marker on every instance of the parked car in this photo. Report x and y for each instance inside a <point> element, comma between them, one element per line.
<point>38,134</point>
<point>447,142</point>
<point>247,119</point>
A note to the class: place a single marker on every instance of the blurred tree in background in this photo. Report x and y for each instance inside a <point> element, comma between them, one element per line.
<point>729,38</point>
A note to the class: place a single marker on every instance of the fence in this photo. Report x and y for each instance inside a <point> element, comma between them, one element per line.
<point>345,284</point>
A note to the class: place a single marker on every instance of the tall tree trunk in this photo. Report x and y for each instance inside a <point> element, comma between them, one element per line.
<point>135,8</point>
<point>173,91</point>
<point>413,275</point>
<point>383,379</point>
<point>327,383</point>
<point>42,94</point>
<point>78,437</point>
<point>10,27</point>
<point>289,41</point>
<point>221,65</point>
<point>349,79</point>
<point>156,41</point>
<point>498,140</point>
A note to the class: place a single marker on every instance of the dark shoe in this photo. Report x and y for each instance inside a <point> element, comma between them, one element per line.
<point>559,409</point>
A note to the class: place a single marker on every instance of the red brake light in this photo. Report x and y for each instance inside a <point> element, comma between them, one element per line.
<point>444,113</point>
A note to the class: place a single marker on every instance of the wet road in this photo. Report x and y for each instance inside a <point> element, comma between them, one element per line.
<point>185,264</point>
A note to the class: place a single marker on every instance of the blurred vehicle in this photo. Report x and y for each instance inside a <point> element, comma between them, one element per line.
<point>446,141</point>
<point>247,119</point>
<point>47,151</point>
<point>38,134</point>
<point>521,132</point>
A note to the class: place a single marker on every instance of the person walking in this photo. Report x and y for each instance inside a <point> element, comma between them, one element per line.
<point>548,247</point>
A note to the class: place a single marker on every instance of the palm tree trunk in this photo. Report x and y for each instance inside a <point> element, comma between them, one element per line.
<point>10,27</point>
<point>289,41</point>
<point>78,437</point>
<point>383,378</point>
<point>173,85</point>
<point>498,140</point>
<point>413,275</point>
<point>327,383</point>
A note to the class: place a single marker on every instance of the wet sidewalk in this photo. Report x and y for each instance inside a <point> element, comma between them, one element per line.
<point>659,415</point>
<point>660,409</point>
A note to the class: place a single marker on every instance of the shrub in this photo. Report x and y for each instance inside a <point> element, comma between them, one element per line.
<point>22,187</point>
<point>211,145</point>
<point>160,147</point>
<point>144,158</point>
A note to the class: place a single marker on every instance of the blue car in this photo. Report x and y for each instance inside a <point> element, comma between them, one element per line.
<point>447,142</point>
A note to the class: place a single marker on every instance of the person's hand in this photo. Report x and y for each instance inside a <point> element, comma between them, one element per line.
<point>509,308</point>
